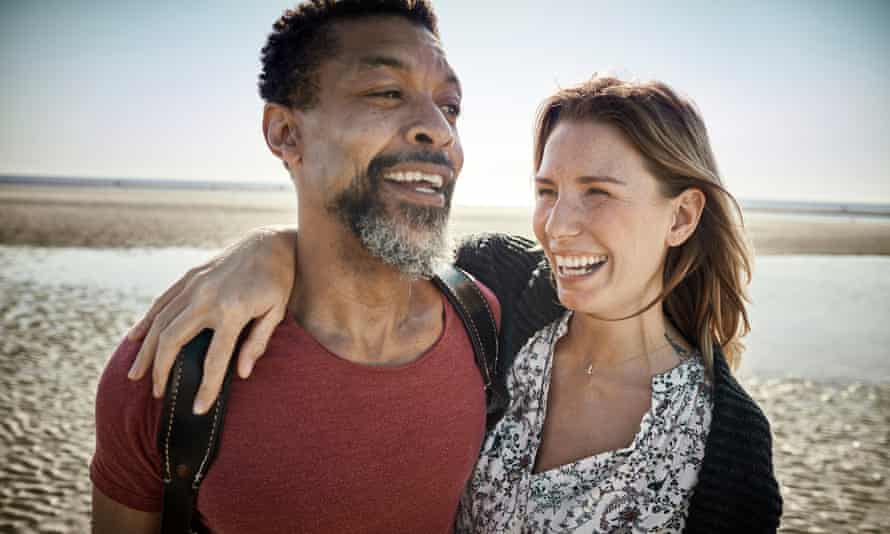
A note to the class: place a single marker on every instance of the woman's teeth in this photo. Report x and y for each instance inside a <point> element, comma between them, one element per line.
<point>579,265</point>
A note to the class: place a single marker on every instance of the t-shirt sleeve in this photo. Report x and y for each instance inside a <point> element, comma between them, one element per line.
<point>126,466</point>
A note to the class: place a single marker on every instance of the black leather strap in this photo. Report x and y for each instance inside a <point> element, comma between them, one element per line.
<point>188,442</point>
<point>476,315</point>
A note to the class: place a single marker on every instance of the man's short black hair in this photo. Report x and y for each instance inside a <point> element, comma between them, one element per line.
<point>302,39</point>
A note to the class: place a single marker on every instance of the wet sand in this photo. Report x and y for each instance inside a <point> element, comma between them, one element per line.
<point>832,438</point>
<point>97,217</point>
<point>832,441</point>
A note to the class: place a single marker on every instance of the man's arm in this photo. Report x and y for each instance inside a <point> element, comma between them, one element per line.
<point>111,517</point>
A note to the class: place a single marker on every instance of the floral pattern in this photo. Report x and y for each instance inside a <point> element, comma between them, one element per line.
<point>645,487</point>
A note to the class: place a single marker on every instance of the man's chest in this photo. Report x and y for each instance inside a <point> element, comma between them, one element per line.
<point>346,451</point>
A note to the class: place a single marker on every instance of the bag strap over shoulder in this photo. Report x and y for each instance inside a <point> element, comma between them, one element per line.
<point>476,315</point>
<point>188,443</point>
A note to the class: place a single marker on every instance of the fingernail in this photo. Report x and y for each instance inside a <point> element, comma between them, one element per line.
<point>248,369</point>
<point>199,407</point>
<point>156,391</point>
<point>131,334</point>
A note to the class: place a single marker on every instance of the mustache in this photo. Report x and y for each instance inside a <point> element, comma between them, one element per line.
<point>382,162</point>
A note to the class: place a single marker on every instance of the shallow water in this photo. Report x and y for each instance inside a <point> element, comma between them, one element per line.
<point>816,363</point>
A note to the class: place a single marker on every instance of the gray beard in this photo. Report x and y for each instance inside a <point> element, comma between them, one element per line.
<point>413,246</point>
<point>413,239</point>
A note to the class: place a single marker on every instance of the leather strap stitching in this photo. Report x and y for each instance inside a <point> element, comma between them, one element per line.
<point>494,324</point>
<point>200,473</point>
<point>170,419</point>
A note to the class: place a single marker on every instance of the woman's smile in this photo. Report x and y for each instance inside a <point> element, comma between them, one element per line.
<point>577,267</point>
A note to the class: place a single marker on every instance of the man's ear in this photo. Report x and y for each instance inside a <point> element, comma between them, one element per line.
<point>688,207</point>
<point>282,134</point>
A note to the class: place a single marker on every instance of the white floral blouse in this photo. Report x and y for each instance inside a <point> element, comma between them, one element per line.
<point>645,487</point>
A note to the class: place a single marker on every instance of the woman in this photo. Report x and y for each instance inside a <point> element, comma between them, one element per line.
<point>624,415</point>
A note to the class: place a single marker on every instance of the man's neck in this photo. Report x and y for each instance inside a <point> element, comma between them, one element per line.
<point>357,306</point>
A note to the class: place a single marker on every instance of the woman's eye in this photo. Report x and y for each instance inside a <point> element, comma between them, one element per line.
<point>596,191</point>
<point>546,192</point>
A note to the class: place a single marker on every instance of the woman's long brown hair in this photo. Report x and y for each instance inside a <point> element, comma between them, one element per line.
<point>705,278</point>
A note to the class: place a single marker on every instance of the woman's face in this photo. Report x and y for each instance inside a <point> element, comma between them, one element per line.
<point>601,219</point>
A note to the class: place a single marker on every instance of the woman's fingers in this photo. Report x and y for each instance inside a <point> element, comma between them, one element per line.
<point>171,339</point>
<point>162,318</point>
<point>142,326</point>
<point>255,344</point>
<point>217,360</point>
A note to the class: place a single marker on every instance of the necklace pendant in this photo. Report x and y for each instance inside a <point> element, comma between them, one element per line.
<point>590,370</point>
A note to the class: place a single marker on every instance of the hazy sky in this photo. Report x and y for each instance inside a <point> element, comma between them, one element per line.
<point>796,95</point>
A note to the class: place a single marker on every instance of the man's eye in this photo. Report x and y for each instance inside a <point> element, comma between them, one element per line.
<point>546,192</point>
<point>596,191</point>
<point>451,110</point>
<point>389,95</point>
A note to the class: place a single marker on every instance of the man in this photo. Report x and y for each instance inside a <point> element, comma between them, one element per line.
<point>371,410</point>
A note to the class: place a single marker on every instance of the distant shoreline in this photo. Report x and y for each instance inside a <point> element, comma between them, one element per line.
<point>748,205</point>
<point>112,217</point>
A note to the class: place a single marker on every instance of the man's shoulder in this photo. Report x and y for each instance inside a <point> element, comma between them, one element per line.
<point>126,464</point>
<point>124,405</point>
<point>114,386</point>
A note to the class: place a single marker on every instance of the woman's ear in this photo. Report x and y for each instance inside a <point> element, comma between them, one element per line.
<point>688,207</point>
<point>282,134</point>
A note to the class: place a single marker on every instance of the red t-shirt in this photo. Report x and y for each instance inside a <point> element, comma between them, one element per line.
<point>313,442</point>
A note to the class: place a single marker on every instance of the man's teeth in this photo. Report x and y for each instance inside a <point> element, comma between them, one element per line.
<point>433,180</point>
<point>579,264</point>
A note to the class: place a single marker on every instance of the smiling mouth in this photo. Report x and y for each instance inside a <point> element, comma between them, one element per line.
<point>421,182</point>
<point>419,186</point>
<point>577,266</point>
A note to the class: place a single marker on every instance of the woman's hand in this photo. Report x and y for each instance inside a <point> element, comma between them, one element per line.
<point>251,279</point>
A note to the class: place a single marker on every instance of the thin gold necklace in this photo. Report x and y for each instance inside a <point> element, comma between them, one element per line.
<point>670,342</point>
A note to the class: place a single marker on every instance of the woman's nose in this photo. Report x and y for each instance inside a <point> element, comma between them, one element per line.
<point>564,220</point>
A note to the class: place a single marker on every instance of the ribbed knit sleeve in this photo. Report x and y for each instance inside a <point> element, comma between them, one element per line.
<point>737,489</point>
<point>502,262</point>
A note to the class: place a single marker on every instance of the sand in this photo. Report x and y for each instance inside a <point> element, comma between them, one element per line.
<point>96,217</point>
<point>832,438</point>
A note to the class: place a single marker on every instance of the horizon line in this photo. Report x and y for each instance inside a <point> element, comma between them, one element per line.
<point>753,204</point>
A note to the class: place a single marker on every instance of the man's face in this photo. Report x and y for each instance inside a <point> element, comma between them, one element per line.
<point>381,150</point>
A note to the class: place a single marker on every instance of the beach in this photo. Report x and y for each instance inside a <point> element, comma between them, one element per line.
<point>123,217</point>
<point>78,265</point>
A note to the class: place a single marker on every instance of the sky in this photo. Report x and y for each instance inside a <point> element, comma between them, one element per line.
<point>795,94</point>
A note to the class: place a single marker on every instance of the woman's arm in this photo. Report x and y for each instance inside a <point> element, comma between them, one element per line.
<point>504,263</point>
<point>252,279</point>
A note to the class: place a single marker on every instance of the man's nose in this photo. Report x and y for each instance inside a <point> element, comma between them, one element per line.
<point>430,127</point>
<point>564,219</point>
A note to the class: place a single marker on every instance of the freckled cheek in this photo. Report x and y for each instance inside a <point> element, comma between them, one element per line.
<point>635,244</point>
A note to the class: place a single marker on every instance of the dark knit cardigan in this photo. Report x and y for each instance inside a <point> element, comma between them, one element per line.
<point>736,489</point>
